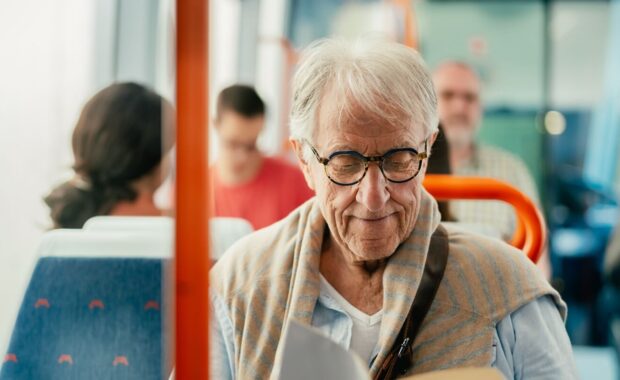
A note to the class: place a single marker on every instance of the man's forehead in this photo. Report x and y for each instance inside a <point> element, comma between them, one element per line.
<point>362,125</point>
<point>233,125</point>
<point>362,133</point>
<point>338,110</point>
<point>455,75</point>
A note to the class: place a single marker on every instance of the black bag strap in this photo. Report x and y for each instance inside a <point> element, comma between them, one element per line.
<point>398,361</point>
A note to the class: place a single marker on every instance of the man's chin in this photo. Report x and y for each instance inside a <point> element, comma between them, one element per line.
<point>375,249</point>
<point>461,140</point>
<point>459,144</point>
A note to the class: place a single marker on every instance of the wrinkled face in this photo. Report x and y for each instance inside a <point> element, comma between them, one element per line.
<point>370,219</point>
<point>237,140</point>
<point>459,106</point>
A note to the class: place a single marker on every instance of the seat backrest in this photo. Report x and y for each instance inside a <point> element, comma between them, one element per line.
<point>224,231</point>
<point>130,223</point>
<point>95,312</point>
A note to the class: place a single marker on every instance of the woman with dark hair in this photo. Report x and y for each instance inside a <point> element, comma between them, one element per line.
<point>439,163</point>
<point>118,144</point>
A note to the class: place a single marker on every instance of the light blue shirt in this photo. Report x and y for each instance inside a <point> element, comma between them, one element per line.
<point>531,343</point>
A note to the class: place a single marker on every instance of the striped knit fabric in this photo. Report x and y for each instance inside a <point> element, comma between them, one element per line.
<point>272,277</point>
<point>496,163</point>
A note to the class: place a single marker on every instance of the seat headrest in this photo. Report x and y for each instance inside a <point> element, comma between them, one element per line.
<point>224,231</point>
<point>79,243</point>
<point>133,223</point>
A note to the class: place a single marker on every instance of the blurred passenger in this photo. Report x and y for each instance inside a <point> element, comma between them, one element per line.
<point>460,113</point>
<point>439,163</point>
<point>247,184</point>
<point>367,260</point>
<point>118,144</point>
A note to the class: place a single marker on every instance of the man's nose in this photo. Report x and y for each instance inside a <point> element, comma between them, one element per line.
<point>456,104</point>
<point>372,191</point>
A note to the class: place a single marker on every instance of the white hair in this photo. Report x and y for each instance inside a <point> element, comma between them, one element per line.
<point>386,79</point>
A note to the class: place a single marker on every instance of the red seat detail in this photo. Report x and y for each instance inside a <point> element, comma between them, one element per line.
<point>151,305</point>
<point>65,358</point>
<point>95,304</point>
<point>42,302</point>
<point>120,360</point>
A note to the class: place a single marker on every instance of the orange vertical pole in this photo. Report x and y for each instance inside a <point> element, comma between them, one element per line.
<point>191,243</point>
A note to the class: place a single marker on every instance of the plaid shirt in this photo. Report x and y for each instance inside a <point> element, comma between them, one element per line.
<point>498,164</point>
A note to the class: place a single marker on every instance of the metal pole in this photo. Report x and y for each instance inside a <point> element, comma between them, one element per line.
<point>191,243</point>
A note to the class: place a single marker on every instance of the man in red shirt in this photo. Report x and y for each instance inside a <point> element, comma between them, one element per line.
<point>246,183</point>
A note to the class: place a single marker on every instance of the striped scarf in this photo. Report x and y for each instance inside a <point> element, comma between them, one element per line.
<point>272,277</point>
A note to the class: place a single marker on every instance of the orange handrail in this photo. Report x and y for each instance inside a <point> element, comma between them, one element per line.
<point>192,206</point>
<point>530,234</point>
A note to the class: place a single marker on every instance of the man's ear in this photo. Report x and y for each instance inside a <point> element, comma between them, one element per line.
<point>432,139</point>
<point>298,148</point>
<point>429,149</point>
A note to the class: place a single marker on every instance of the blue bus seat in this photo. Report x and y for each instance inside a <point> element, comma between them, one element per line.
<point>92,313</point>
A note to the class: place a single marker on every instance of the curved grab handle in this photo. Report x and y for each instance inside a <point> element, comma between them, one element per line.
<point>530,233</point>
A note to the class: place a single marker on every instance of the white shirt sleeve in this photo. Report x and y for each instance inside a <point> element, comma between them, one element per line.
<point>532,344</point>
<point>221,342</point>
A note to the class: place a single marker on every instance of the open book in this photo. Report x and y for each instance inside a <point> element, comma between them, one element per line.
<point>308,355</point>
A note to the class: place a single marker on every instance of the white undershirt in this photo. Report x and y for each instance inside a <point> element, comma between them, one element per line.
<point>365,332</point>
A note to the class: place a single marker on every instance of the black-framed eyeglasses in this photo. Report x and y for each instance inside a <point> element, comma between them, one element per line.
<point>348,167</point>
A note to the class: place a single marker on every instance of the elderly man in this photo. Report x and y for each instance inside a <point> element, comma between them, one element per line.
<point>352,261</point>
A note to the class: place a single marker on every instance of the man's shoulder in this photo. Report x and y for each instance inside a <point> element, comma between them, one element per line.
<point>504,165</point>
<point>489,277</point>
<point>494,154</point>
<point>484,250</point>
<point>281,166</point>
<point>288,177</point>
<point>492,151</point>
